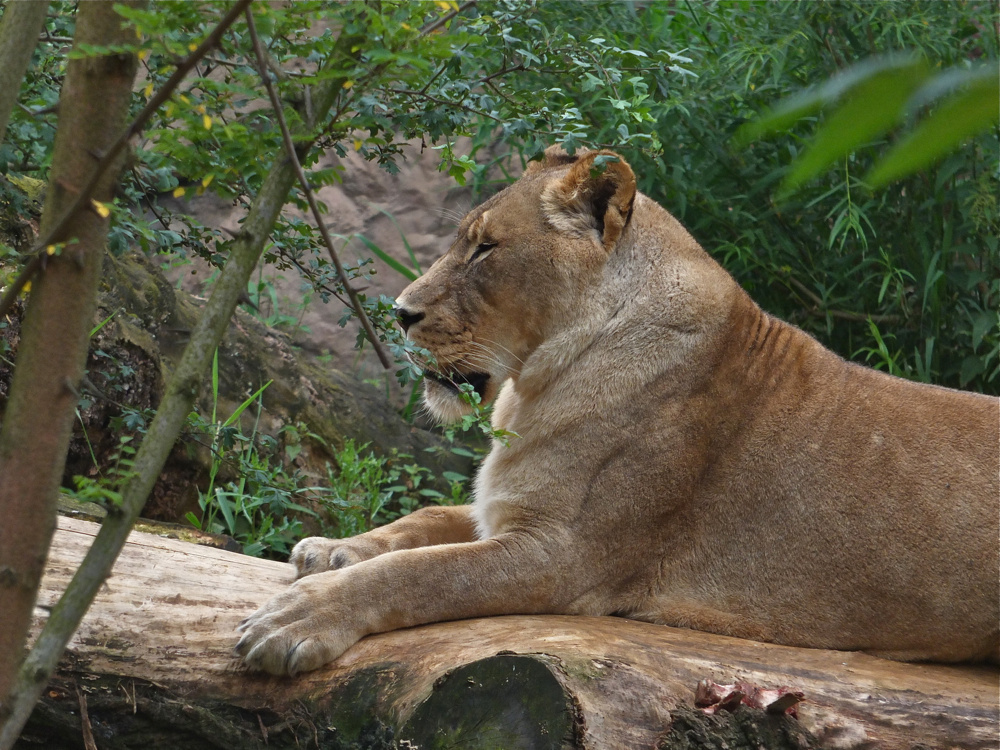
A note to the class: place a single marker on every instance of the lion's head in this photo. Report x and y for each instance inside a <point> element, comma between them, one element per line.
<point>519,272</point>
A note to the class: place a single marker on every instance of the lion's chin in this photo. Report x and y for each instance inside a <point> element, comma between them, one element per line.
<point>443,398</point>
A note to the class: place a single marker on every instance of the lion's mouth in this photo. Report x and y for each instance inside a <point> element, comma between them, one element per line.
<point>453,380</point>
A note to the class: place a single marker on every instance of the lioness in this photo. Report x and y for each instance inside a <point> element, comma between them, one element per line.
<point>680,456</point>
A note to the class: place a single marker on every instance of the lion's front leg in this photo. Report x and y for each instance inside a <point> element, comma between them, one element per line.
<point>322,615</point>
<point>422,528</point>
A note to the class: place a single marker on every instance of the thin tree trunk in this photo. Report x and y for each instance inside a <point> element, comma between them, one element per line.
<point>20,25</point>
<point>36,427</point>
<point>176,404</point>
<point>153,662</point>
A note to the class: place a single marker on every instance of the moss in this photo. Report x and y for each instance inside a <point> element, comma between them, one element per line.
<point>31,187</point>
<point>743,729</point>
<point>501,703</point>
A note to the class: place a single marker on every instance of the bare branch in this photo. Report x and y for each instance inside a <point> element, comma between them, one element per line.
<point>819,308</point>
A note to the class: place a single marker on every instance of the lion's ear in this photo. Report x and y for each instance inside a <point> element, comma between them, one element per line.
<point>596,193</point>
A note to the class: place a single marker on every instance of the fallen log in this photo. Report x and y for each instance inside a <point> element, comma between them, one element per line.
<point>151,667</point>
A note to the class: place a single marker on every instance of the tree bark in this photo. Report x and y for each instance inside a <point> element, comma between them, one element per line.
<point>20,25</point>
<point>36,425</point>
<point>151,666</point>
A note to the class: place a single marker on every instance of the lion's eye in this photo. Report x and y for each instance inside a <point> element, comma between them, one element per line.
<point>482,250</point>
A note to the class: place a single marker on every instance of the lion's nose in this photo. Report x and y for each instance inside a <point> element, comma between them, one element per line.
<point>407,318</point>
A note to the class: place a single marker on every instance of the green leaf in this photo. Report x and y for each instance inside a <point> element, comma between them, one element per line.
<point>215,382</point>
<point>961,116</point>
<point>242,407</point>
<point>254,549</point>
<point>226,506</point>
<point>406,244</point>
<point>985,321</point>
<point>812,100</point>
<point>103,323</point>
<point>971,367</point>
<point>382,255</point>
<point>873,107</point>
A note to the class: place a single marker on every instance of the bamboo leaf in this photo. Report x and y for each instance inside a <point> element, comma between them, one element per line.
<point>961,116</point>
<point>809,102</point>
<point>872,108</point>
<point>242,407</point>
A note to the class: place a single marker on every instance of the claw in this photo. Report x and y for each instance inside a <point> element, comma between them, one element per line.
<point>241,645</point>
<point>290,658</point>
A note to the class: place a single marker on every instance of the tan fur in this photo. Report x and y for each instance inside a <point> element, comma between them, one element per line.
<point>681,456</point>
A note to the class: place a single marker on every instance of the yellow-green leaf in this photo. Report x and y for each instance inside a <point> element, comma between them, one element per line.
<point>873,107</point>
<point>970,111</point>
<point>786,113</point>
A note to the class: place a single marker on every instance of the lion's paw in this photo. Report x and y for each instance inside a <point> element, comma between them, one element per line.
<point>317,554</point>
<point>296,631</point>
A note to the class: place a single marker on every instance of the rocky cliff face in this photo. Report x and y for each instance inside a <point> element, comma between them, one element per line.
<point>419,203</point>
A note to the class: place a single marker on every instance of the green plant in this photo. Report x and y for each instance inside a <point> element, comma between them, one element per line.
<point>919,258</point>
<point>258,508</point>
<point>876,95</point>
<point>104,489</point>
<point>366,490</point>
<point>255,508</point>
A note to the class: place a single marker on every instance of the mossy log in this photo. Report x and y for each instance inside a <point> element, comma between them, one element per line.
<point>152,667</point>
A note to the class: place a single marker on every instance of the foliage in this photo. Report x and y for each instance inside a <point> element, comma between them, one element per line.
<point>907,278</point>
<point>264,506</point>
<point>875,95</point>
<point>102,490</point>
<point>367,491</point>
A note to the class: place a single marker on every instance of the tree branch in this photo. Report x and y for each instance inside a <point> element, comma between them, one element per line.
<point>170,416</point>
<point>819,308</point>
<point>19,29</point>
<point>38,666</point>
<point>434,26</point>
<point>446,103</point>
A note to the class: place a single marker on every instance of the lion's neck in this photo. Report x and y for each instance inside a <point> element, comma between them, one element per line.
<point>649,317</point>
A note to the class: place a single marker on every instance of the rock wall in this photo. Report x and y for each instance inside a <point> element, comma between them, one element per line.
<point>420,202</point>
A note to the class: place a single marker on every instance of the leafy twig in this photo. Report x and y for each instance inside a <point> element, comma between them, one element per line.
<point>41,661</point>
<point>106,159</point>
<point>446,103</point>
<point>366,324</point>
<point>434,26</point>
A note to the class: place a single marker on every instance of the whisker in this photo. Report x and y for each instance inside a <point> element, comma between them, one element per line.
<point>496,343</point>
<point>454,215</point>
<point>489,364</point>
<point>486,355</point>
